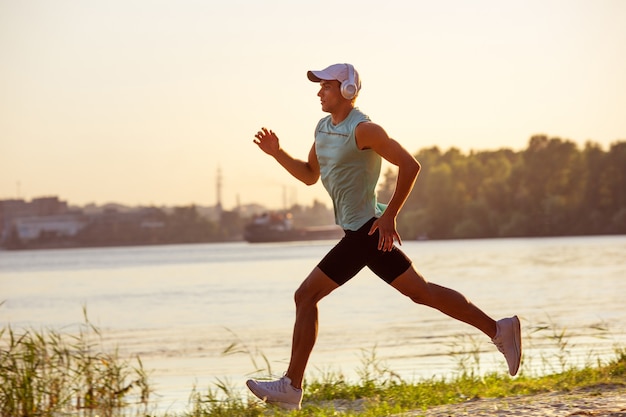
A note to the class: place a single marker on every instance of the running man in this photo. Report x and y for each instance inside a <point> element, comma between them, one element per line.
<point>347,154</point>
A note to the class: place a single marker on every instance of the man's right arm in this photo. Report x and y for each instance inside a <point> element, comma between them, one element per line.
<point>306,171</point>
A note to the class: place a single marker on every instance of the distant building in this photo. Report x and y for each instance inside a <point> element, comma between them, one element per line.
<point>56,226</point>
<point>44,216</point>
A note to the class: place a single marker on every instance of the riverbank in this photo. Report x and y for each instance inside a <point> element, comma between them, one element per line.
<point>599,400</point>
<point>72,372</point>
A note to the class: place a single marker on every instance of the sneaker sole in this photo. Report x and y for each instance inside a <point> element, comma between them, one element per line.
<point>517,335</point>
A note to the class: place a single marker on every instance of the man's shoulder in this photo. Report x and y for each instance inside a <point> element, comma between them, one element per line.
<point>368,134</point>
<point>359,114</point>
<point>369,126</point>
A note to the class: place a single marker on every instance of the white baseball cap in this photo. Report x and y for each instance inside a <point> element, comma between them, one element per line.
<point>339,72</point>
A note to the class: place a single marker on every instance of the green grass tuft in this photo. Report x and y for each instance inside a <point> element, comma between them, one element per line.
<point>45,373</point>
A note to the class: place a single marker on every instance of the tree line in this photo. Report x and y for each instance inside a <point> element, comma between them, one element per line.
<point>552,188</point>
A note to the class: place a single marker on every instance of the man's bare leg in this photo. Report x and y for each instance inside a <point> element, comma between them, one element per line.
<point>315,287</point>
<point>505,333</point>
<point>446,300</point>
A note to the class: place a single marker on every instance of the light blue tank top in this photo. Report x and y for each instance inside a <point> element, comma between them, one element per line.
<point>349,174</point>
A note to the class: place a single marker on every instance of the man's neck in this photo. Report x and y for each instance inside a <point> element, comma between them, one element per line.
<point>341,114</point>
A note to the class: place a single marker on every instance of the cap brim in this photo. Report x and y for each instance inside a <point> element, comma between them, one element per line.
<point>317,76</point>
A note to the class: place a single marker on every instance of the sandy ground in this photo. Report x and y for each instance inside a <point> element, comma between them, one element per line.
<point>599,401</point>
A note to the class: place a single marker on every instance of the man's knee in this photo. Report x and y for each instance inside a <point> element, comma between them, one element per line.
<point>306,295</point>
<point>314,288</point>
<point>301,296</point>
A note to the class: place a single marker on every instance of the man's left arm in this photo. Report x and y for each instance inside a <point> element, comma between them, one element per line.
<point>372,136</point>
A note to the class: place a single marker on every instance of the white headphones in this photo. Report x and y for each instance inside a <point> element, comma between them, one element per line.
<point>349,87</point>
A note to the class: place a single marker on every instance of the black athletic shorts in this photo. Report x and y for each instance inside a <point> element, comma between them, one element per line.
<point>356,250</point>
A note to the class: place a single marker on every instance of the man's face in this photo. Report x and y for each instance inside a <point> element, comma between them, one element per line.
<point>330,95</point>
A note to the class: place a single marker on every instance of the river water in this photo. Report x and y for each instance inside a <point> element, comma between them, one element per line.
<point>179,307</point>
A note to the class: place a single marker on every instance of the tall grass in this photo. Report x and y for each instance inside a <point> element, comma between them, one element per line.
<point>46,373</point>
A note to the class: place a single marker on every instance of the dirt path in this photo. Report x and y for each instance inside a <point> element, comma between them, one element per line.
<point>600,401</point>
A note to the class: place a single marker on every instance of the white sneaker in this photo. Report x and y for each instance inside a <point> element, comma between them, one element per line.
<point>280,392</point>
<point>509,341</point>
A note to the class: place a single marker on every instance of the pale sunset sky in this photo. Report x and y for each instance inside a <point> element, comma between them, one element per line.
<point>140,102</point>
